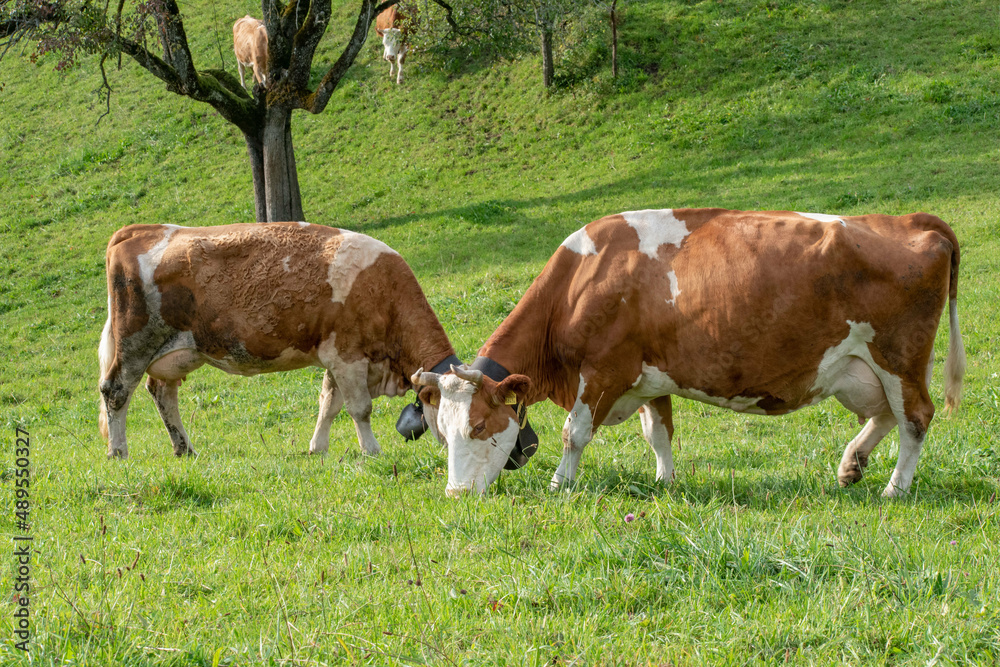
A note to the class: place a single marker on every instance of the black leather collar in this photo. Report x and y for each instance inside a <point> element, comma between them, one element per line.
<point>446,365</point>
<point>411,423</point>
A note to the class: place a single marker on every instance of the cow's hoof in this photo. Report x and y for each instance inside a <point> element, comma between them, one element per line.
<point>850,474</point>
<point>893,491</point>
<point>118,454</point>
<point>665,478</point>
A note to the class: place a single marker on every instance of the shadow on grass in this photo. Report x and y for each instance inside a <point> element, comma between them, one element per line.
<point>762,492</point>
<point>821,179</point>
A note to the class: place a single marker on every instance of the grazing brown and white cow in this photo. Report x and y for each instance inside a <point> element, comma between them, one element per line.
<point>250,45</point>
<point>760,312</point>
<point>260,298</point>
<point>394,27</point>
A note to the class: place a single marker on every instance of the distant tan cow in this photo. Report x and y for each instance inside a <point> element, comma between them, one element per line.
<point>250,45</point>
<point>394,27</point>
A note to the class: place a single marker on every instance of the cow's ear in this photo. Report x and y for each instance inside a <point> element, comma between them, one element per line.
<point>430,396</point>
<point>516,386</point>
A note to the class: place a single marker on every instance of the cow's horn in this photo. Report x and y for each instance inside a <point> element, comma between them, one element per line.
<point>469,375</point>
<point>428,379</point>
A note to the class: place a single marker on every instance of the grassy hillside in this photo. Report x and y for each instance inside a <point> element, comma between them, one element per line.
<point>253,554</point>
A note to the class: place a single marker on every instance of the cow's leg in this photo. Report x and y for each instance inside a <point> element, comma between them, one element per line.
<point>861,391</point>
<point>331,400</point>
<point>241,68</point>
<point>352,380</point>
<point>578,430</point>
<point>165,376</point>
<point>116,393</point>
<point>400,57</point>
<point>856,453</point>
<point>658,429</point>
<point>119,378</point>
<point>915,419</point>
<point>392,65</point>
<point>164,394</point>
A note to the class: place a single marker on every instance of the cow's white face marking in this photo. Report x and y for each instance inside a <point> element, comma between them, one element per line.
<point>355,253</point>
<point>822,217</point>
<point>473,464</point>
<point>391,40</point>
<point>580,243</point>
<point>674,289</point>
<point>656,228</point>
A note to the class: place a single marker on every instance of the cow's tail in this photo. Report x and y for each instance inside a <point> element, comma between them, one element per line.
<point>106,356</point>
<point>954,365</point>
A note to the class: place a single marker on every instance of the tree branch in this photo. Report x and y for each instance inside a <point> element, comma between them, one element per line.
<point>105,89</point>
<point>22,21</point>
<point>175,48</point>
<point>217,88</point>
<point>306,40</point>
<point>316,102</point>
<point>451,20</point>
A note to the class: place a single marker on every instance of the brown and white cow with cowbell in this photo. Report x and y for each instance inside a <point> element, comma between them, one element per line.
<point>760,312</point>
<point>261,298</point>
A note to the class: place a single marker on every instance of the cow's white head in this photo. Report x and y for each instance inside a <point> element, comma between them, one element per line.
<point>476,418</point>
<point>392,39</point>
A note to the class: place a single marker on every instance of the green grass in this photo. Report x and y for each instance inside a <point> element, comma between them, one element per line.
<point>254,554</point>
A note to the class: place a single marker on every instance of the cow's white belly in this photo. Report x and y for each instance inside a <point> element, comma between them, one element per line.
<point>846,371</point>
<point>243,363</point>
<point>180,356</point>
<point>653,383</point>
<point>849,372</point>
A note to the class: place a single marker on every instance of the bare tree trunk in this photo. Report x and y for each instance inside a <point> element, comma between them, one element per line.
<point>293,174</point>
<point>255,149</point>
<point>614,39</point>
<point>281,183</point>
<point>544,21</point>
<point>548,68</point>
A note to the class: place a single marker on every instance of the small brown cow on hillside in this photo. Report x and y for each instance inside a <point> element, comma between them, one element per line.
<point>393,26</point>
<point>252,299</point>
<point>250,45</point>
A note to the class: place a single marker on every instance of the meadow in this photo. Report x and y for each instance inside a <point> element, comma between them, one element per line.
<point>255,554</point>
